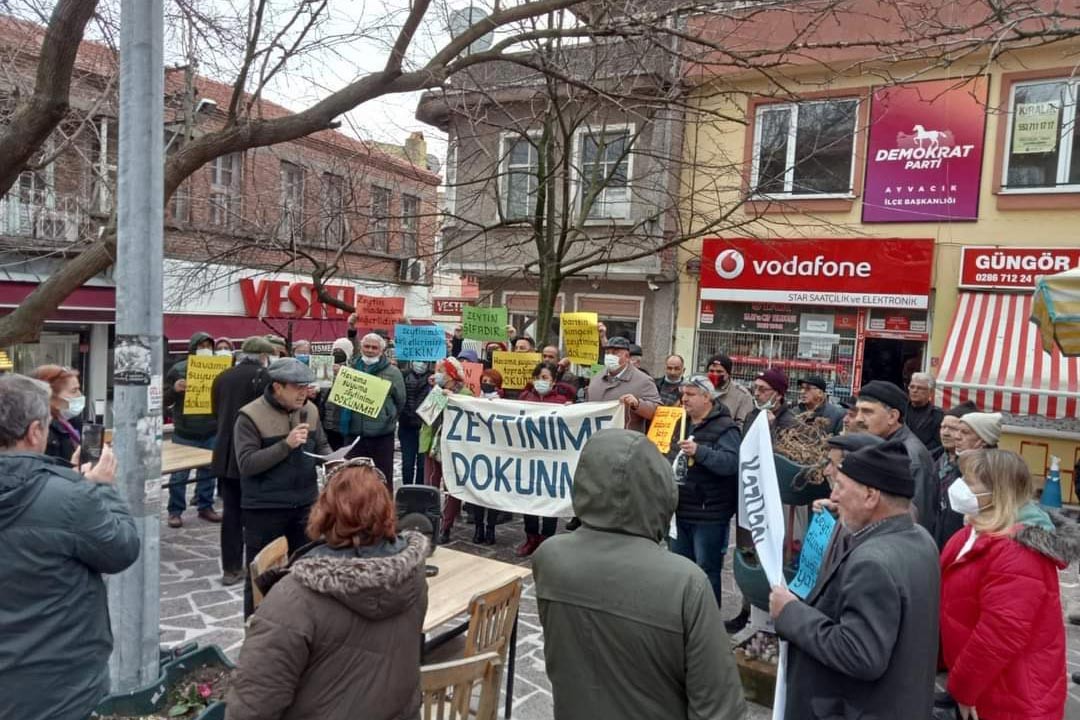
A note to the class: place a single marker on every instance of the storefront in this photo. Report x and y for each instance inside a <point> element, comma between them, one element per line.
<point>848,310</point>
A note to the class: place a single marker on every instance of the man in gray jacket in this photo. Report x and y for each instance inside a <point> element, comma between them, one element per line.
<point>59,531</point>
<point>631,631</point>
<point>623,382</point>
<point>864,644</point>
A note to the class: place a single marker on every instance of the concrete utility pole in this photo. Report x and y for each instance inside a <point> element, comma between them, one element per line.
<point>133,594</point>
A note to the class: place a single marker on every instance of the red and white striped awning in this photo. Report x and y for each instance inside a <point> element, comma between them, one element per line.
<point>995,359</point>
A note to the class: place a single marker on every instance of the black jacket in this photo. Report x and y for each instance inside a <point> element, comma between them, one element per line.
<point>833,413</point>
<point>785,418</point>
<point>189,427</point>
<point>61,444</point>
<point>416,389</point>
<point>864,644</point>
<point>925,476</point>
<point>709,492</point>
<point>232,390</point>
<point>925,422</point>
<point>948,521</point>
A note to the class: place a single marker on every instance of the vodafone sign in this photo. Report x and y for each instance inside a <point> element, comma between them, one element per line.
<point>866,272</point>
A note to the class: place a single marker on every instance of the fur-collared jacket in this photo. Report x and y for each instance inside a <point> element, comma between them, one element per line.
<point>1002,632</point>
<point>338,637</point>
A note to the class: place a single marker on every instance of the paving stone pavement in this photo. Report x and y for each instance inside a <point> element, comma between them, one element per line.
<point>196,607</point>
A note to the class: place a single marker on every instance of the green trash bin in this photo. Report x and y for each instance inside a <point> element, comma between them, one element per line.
<point>154,698</point>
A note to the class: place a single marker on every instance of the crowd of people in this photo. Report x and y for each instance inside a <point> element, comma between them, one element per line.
<point>942,559</point>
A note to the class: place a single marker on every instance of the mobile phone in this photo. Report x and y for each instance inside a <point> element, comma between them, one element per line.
<point>93,442</point>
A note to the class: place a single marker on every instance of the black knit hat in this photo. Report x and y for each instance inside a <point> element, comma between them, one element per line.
<point>886,393</point>
<point>886,467</point>
<point>815,381</point>
<point>724,360</point>
<point>962,409</point>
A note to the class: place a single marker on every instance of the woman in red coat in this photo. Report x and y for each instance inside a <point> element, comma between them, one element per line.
<point>543,389</point>
<point>1002,631</point>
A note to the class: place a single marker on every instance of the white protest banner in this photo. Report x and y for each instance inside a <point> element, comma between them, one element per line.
<point>761,512</point>
<point>518,456</point>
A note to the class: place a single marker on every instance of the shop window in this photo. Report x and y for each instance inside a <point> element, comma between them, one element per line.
<point>522,166</point>
<point>380,219</point>
<point>1043,149</point>
<point>292,201</point>
<point>605,173</point>
<point>332,199</point>
<point>804,149</point>
<point>410,225</point>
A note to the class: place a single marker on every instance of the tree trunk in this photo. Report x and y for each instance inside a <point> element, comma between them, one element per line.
<point>550,284</point>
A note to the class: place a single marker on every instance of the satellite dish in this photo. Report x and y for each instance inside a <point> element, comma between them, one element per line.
<point>464,18</point>
<point>434,164</point>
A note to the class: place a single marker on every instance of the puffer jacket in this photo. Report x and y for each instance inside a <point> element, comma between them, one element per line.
<point>709,492</point>
<point>337,638</point>
<point>189,427</point>
<point>59,532</point>
<point>1002,632</point>
<point>417,388</point>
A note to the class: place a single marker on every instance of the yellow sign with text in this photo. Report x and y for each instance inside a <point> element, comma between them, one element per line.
<point>516,368</point>
<point>359,392</point>
<point>581,336</point>
<point>665,423</point>
<point>201,371</point>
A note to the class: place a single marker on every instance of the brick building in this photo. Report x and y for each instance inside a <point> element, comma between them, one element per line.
<point>243,233</point>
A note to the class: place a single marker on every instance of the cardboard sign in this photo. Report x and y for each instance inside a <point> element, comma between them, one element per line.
<point>815,543</point>
<point>517,456</point>
<point>379,312</point>
<point>665,423</point>
<point>323,367</point>
<point>581,337</point>
<point>432,407</point>
<point>483,323</point>
<point>419,342</point>
<point>359,392</point>
<point>516,368</point>
<point>473,371</point>
<point>201,371</point>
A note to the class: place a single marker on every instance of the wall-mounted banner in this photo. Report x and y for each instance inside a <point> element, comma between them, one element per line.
<point>518,457</point>
<point>1013,268</point>
<point>201,371</point>
<point>419,342</point>
<point>924,155</point>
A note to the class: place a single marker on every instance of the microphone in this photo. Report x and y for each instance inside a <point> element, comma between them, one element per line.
<point>303,415</point>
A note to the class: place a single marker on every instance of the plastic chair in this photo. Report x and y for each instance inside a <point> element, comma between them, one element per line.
<point>276,554</point>
<point>447,688</point>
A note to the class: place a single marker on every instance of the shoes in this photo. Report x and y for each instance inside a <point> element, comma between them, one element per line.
<point>528,547</point>
<point>478,534</point>
<point>738,622</point>
<point>1073,613</point>
<point>502,517</point>
<point>1076,678</point>
<point>232,578</point>
<point>573,525</point>
<point>444,536</point>
<point>489,535</point>
<point>943,699</point>
<point>175,521</point>
<point>210,515</point>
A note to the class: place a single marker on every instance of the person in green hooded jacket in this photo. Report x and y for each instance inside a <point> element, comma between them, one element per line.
<point>631,631</point>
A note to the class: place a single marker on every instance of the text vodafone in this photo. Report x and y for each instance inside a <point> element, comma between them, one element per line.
<point>818,266</point>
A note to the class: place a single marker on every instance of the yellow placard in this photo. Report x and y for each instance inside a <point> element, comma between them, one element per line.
<point>581,337</point>
<point>201,371</point>
<point>664,423</point>
<point>516,368</point>
<point>359,392</point>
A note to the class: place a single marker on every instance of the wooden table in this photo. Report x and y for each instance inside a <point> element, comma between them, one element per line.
<point>461,577</point>
<point>176,458</point>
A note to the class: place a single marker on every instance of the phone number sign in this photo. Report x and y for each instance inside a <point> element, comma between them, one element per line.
<point>1013,268</point>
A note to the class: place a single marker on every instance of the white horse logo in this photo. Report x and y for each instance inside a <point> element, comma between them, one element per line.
<point>934,137</point>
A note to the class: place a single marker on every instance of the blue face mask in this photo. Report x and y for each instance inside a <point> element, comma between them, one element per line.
<point>304,358</point>
<point>440,379</point>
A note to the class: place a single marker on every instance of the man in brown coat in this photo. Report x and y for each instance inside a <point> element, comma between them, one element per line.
<point>624,382</point>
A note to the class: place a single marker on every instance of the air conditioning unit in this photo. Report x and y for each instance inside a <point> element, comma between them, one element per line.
<point>412,270</point>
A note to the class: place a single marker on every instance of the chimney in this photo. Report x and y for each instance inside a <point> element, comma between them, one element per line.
<point>416,149</point>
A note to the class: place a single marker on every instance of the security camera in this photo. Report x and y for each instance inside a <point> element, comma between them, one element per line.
<point>653,286</point>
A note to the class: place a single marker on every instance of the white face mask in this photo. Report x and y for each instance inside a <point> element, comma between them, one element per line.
<point>419,367</point>
<point>543,387</point>
<point>223,353</point>
<point>440,379</point>
<point>369,360</point>
<point>611,362</point>
<point>962,499</point>
<point>75,407</point>
<point>204,352</point>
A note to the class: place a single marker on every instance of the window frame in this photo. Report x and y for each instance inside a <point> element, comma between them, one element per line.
<point>226,214</point>
<point>379,227</point>
<point>410,225</point>
<point>629,129</point>
<point>292,203</point>
<point>506,138</point>
<point>1065,149</point>
<point>756,109</point>
<point>331,217</point>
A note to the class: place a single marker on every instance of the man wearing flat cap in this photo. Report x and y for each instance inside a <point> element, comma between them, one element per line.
<point>813,399</point>
<point>864,644</point>
<point>623,382</point>
<point>880,410</point>
<point>278,484</point>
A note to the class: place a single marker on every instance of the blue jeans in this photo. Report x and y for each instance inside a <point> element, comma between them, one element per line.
<point>706,545</point>
<point>412,462</point>
<point>204,487</point>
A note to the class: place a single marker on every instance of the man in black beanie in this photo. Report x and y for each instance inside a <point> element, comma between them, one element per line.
<point>880,411</point>
<point>864,644</point>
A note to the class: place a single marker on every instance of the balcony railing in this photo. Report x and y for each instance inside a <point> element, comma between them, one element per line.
<point>62,221</point>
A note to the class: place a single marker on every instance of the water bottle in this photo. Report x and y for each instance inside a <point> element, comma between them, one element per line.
<point>1051,494</point>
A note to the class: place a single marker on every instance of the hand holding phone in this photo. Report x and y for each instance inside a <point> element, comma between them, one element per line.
<point>105,470</point>
<point>93,443</point>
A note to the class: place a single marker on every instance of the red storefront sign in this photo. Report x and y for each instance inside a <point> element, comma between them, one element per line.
<point>864,273</point>
<point>1012,268</point>
<point>279,299</point>
<point>449,305</point>
<point>924,153</point>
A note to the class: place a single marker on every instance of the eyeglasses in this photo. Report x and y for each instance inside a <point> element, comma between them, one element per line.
<point>333,467</point>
